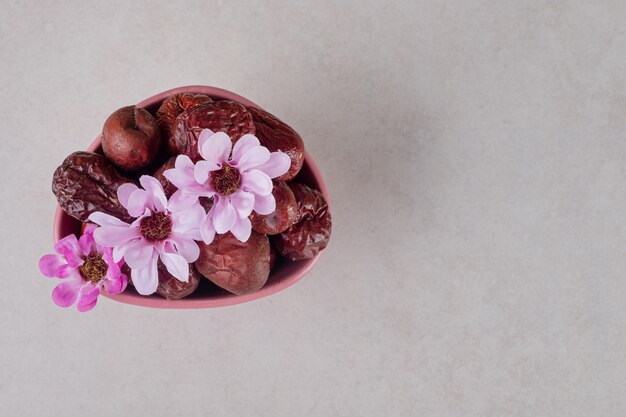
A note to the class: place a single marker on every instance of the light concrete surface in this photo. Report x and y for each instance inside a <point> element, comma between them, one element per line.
<point>475,155</point>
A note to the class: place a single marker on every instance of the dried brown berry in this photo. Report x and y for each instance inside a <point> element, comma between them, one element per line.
<point>276,135</point>
<point>172,288</point>
<point>219,116</point>
<point>238,267</point>
<point>170,109</point>
<point>86,182</point>
<point>311,231</point>
<point>283,217</point>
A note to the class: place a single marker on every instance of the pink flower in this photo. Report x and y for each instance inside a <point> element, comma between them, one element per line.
<point>238,183</point>
<point>163,230</point>
<point>85,267</point>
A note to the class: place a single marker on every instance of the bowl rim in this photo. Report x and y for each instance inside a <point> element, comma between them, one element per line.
<point>156,301</point>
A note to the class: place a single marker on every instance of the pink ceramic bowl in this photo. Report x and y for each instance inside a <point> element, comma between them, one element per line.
<point>283,275</point>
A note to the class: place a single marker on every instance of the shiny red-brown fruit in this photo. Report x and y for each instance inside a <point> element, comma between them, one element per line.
<point>218,116</point>
<point>170,109</point>
<point>238,267</point>
<point>276,135</point>
<point>283,217</point>
<point>311,231</point>
<point>168,187</point>
<point>172,288</point>
<point>131,138</point>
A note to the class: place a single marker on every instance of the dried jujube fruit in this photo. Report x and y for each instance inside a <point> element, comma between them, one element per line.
<point>283,217</point>
<point>172,288</point>
<point>86,182</point>
<point>238,267</point>
<point>131,138</point>
<point>219,116</point>
<point>276,135</point>
<point>170,109</point>
<point>311,231</point>
<point>168,187</point>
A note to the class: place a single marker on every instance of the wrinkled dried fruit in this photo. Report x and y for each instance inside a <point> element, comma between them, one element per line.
<point>238,267</point>
<point>169,111</point>
<point>168,187</point>
<point>86,182</point>
<point>131,138</point>
<point>219,116</point>
<point>276,135</point>
<point>172,288</point>
<point>311,232</point>
<point>283,217</point>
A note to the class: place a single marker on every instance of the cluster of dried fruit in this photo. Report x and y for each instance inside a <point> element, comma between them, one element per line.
<point>136,142</point>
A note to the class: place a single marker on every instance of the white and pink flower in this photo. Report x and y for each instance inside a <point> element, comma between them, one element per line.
<point>163,230</point>
<point>85,267</point>
<point>239,182</point>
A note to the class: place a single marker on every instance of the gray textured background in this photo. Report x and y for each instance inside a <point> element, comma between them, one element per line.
<point>475,155</point>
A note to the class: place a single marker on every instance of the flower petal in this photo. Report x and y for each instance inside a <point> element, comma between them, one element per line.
<point>264,204</point>
<point>183,162</point>
<point>253,157</point>
<point>50,264</point>
<point>199,190</point>
<point>207,231</point>
<point>115,268</point>
<point>176,265</point>
<point>67,271</point>
<point>115,284</point>
<point>186,247</point>
<point>187,222</point>
<point>181,177</point>
<point>243,202</point>
<point>216,149</point>
<point>113,236</point>
<point>242,229</point>
<point>138,254</point>
<point>70,249</point>
<point>224,215</point>
<point>86,242</point>
<point>202,169</point>
<point>257,182</point>
<point>87,297</point>
<point>203,137</point>
<point>180,201</point>
<point>104,219</point>
<point>155,190</point>
<point>244,143</point>
<point>138,202</point>
<point>146,278</point>
<point>124,192</point>
<point>136,224</point>
<point>277,165</point>
<point>65,294</point>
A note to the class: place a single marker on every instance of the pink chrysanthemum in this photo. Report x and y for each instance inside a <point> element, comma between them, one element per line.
<point>85,267</point>
<point>238,183</point>
<point>164,230</point>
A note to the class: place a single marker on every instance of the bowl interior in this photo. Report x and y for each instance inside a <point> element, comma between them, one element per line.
<point>284,273</point>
